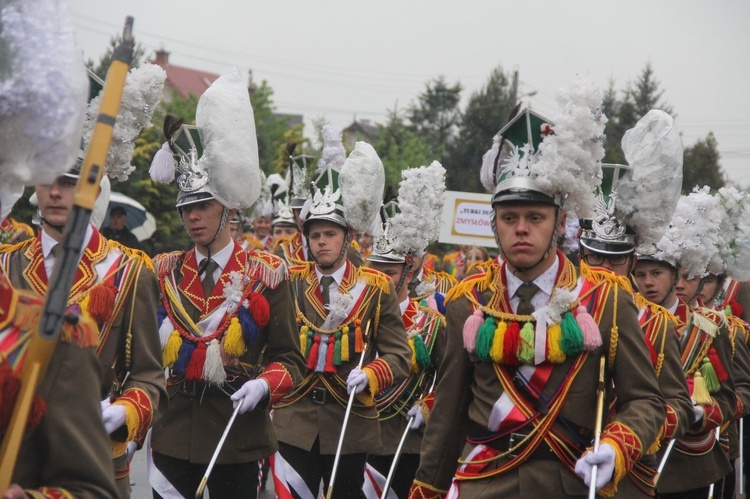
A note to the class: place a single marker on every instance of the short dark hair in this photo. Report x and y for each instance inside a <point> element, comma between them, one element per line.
<point>117,210</point>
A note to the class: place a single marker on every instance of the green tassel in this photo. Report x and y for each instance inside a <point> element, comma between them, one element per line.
<point>423,302</point>
<point>572,336</point>
<point>709,376</point>
<point>526,345</point>
<point>337,349</point>
<point>484,339</point>
<point>423,356</point>
<point>309,341</point>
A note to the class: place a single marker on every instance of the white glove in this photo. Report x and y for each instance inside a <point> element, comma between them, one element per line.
<point>416,411</point>
<point>249,395</point>
<point>605,458</point>
<point>356,381</point>
<point>699,412</point>
<point>112,415</point>
<point>132,447</point>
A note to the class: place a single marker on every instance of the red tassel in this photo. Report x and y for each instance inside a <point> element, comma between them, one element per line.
<point>329,368</point>
<point>194,369</point>
<point>10,385</point>
<point>259,309</point>
<point>312,357</point>
<point>511,340</point>
<point>102,302</point>
<point>359,341</point>
<point>721,373</point>
<point>737,309</point>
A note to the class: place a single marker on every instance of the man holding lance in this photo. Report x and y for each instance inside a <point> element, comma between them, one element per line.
<point>527,340</point>
<point>345,316</point>
<point>227,322</point>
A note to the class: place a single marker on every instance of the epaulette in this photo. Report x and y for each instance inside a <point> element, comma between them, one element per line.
<point>12,248</point>
<point>597,275</point>
<point>480,281</point>
<point>267,268</point>
<point>478,266</point>
<point>642,302</point>
<point>283,240</point>
<point>446,276</point>
<point>707,320</point>
<point>166,262</point>
<point>373,278</point>
<point>133,254</point>
<point>301,271</point>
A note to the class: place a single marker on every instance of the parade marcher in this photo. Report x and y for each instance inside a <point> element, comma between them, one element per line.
<point>114,285</point>
<point>283,224</point>
<point>526,341</point>
<point>696,460</point>
<point>641,198</point>
<point>407,227</point>
<point>344,313</point>
<point>117,229</point>
<point>295,249</point>
<point>227,314</point>
<point>454,263</point>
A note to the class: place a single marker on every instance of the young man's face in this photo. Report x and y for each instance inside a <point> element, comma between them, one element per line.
<point>326,240</point>
<point>235,231</point>
<point>282,231</point>
<point>709,289</point>
<point>202,220</point>
<point>262,226</point>
<point>393,271</point>
<point>56,200</point>
<point>525,232</point>
<point>117,220</point>
<point>654,280</point>
<point>619,264</point>
<point>687,289</point>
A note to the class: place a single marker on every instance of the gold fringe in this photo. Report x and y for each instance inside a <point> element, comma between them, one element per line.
<point>133,254</point>
<point>300,272</point>
<point>12,248</point>
<point>374,278</point>
<point>703,321</point>
<point>132,422</point>
<point>597,276</point>
<point>481,281</point>
<point>610,489</point>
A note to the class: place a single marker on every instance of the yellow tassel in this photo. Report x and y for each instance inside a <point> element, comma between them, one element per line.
<point>84,304</point>
<point>700,392</point>
<point>172,349</point>
<point>414,365</point>
<point>345,344</point>
<point>555,353</point>
<point>496,351</point>
<point>234,345</point>
<point>303,339</point>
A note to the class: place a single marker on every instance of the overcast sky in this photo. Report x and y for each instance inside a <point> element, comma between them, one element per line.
<point>342,58</point>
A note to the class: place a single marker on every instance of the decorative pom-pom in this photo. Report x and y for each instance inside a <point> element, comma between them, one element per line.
<point>440,302</point>
<point>471,328</point>
<point>484,339</point>
<point>172,349</point>
<point>709,376</point>
<point>496,352</point>
<point>194,369</point>
<point>337,349</point>
<point>592,338</point>
<point>572,338</point>
<point>183,357</point>
<point>345,344</point>
<point>423,355</point>
<point>249,328</point>
<point>555,354</point>
<point>213,368</point>
<point>102,302</point>
<point>312,356</point>
<point>432,303</point>
<point>162,166</point>
<point>260,309</point>
<point>234,345</point>
<point>700,392</point>
<point>510,344</point>
<point>526,344</point>
<point>737,309</point>
<point>165,331</point>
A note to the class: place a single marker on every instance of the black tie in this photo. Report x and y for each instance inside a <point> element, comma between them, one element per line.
<point>526,292</point>
<point>208,280</point>
<point>326,282</point>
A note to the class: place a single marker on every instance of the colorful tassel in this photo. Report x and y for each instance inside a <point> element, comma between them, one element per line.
<point>165,331</point>
<point>572,339</point>
<point>721,373</point>
<point>303,339</point>
<point>161,314</point>
<point>700,392</point>
<point>511,340</point>
<point>186,351</point>
<point>172,349</point>
<point>10,385</point>
<point>496,352</point>
<point>312,356</point>
<point>330,353</point>
<point>484,339</point>
<point>592,338</point>
<point>471,329</point>
<point>213,368</point>
<point>194,369</point>
<point>440,302</point>
<point>526,344</point>
<point>322,351</point>
<point>234,345</point>
<point>84,307</point>
<point>423,355</point>
<point>337,349</point>
<point>249,328</point>
<point>309,342</point>
<point>345,344</point>
<point>359,341</point>
<point>413,366</point>
<point>162,166</point>
<point>709,376</point>
<point>260,309</point>
<point>102,302</point>
<point>555,354</point>
<point>432,303</point>
<point>737,309</point>
<point>226,359</point>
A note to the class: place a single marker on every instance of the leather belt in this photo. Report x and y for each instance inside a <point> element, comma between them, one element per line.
<point>320,396</point>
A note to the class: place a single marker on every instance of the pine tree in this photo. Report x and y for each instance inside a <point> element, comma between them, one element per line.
<point>435,115</point>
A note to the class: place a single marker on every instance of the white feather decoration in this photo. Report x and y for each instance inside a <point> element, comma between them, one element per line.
<point>735,232</point>
<point>333,153</point>
<point>43,90</point>
<point>487,172</point>
<point>140,96</point>
<point>420,202</point>
<point>227,128</point>
<point>361,182</point>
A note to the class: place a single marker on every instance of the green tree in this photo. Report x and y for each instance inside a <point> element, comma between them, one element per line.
<point>486,113</point>
<point>100,68</point>
<point>400,148</point>
<point>435,115</point>
<point>701,165</point>
<point>269,128</point>
<point>291,135</point>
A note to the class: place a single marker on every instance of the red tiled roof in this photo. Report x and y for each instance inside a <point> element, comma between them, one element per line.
<point>187,80</point>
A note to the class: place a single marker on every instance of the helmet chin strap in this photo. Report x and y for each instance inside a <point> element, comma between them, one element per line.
<point>58,228</point>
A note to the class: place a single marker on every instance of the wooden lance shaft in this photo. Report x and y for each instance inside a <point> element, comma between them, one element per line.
<point>43,341</point>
